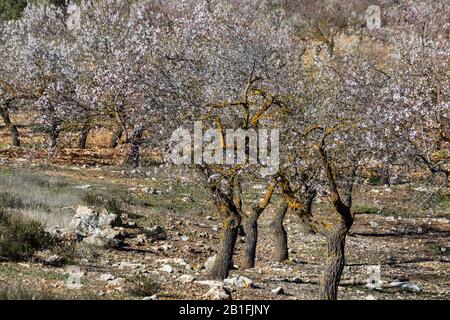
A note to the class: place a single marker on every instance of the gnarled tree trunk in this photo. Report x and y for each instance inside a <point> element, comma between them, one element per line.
<point>335,263</point>
<point>14,133</point>
<point>251,228</point>
<point>251,240</point>
<point>280,252</point>
<point>224,257</point>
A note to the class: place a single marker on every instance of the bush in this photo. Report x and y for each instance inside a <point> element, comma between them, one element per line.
<point>8,200</point>
<point>94,199</point>
<point>17,291</point>
<point>20,238</point>
<point>143,286</point>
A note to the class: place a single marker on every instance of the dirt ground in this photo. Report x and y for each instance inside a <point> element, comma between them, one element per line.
<point>408,244</point>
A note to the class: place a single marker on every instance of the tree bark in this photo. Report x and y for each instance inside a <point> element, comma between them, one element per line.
<point>251,228</point>
<point>135,142</point>
<point>14,133</point>
<point>83,137</point>
<point>251,240</point>
<point>280,252</point>
<point>116,136</point>
<point>335,263</point>
<point>54,134</point>
<point>224,257</point>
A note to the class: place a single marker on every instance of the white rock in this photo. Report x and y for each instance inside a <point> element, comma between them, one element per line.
<point>209,262</point>
<point>374,224</point>
<point>84,222</point>
<point>109,219</point>
<point>129,265</point>
<point>278,290</point>
<point>106,277</point>
<point>141,239</point>
<point>166,268</point>
<point>218,293</point>
<point>210,283</point>
<point>406,285</point>
<point>186,278</point>
<point>239,281</point>
<point>83,187</point>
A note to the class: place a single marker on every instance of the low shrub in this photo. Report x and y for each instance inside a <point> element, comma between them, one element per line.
<point>20,238</point>
<point>143,286</point>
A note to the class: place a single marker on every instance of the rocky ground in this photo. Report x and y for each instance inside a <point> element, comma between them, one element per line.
<point>167,231</point>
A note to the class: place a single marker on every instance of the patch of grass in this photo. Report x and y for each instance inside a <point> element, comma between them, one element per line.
<point>67,251</point>
<point>86,251</point>
<point>368,209</point>
<point>19,291</point>
<point>21,238</point>
<point>143,286</point>
<point>375,180</point>
<point>444,202</point>
<point>113,206</point>
<point>101,200</point>
<point>92,199</point>
<point>49,200</point>
<point>438,249</point>
<point>8,200</point>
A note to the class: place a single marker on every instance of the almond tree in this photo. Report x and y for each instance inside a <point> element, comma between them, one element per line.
<point>239,77</point>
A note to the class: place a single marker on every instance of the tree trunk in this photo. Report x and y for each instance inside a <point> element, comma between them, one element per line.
<point>224,257</point>
<point>134,154</point>
<point>14,133</point>
<point>83,137</point>
<point>54,134</point>
<point>116,136</point>
<point>280,253</point>
<point>335,263</point>
<point>306,217</point>
<point>251,240</point>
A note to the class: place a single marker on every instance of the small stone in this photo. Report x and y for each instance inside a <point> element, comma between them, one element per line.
<point>209,263</point>
<point>124,265</point>
<point>153,297</point>
<point>186,278</point>
<point>278,290</point>
<point>184,238</point>
<point>109,219</point>
<point>219,293</point>
<point>240,281</point>
<point>406,286</point>
<point>141,239</point>
<point>83,187</point>
<point>166,268</point>
<point>156,233</point>
<point>106,277</point>
<point>116,284</point>
<point>374,224</point>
